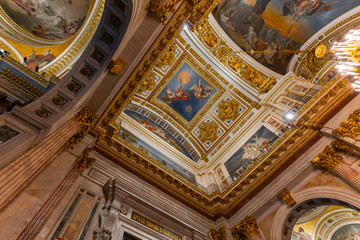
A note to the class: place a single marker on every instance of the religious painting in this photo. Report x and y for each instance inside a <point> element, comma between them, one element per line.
<point>39,60</point>
<point>7,133</point>
<point>276,25</point>
<point>350,231</point>
<point>159,131</point>
<point>186,92</point>
<point>156,155</point>
<point>250,151</point>
<point>48,19</point>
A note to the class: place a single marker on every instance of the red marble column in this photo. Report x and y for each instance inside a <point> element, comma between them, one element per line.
<point>17,175</point>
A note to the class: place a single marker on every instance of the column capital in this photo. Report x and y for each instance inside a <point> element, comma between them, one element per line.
<point>285,195</point>
<point>344,147</point>
<point>84,120</point>
<point>327,160</point>
<point>349,128</point>
<point>219,234</point>
<point>246,229</point>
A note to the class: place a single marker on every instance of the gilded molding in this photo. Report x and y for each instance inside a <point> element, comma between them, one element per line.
<point>84,119</point>
<point>327,160</point>
<point>351,127</point>
<point>84,160</point>
<point>245,229</point>
<point>219,234</point>
<point>232,60</point>
<point>285,195</point>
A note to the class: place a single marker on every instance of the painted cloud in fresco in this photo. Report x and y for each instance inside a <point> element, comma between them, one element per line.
<point>277,24</point>
<point>247,154</point>
<point>48,19</point>
<point>156,155</point>
<point>186,93</point>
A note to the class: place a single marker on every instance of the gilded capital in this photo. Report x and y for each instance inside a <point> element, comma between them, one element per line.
<point>116,66</point>
<point>219,234</point>
<point>351,127</point>
<point>341,146</point>
<point>84,160</point>
<point>286,196</point>
<point>162,8</point>
<point>84,119</point>
<point>245,229</point>
<point>327,160</point>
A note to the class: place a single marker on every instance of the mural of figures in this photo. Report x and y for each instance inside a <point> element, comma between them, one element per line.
<point>156,155</point>
<point>347,232</point>
<point>40,60</point>
<point>159,131</point>
<point>48,19</point>
<point>275,25</point>
<point>248,153</point>
<point>187,92</point>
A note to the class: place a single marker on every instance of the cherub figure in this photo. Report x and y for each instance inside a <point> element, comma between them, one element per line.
<point>179,94</point>
<point>201,92</point>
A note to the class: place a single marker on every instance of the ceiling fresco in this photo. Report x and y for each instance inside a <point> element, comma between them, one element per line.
<point>53,20</point>
<point>276,25</point>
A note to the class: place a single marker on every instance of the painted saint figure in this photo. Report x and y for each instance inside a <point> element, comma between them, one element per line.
<point>179,94</point>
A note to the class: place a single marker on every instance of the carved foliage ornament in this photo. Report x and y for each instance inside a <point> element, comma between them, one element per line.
<point>327,160</point>
<point>84,160</point>
<point>116,66</point>
<point>168,58</point>
<point>341,146</point>
<point>228,110</point>
<point>245,229</point>
<point>351,127</point>
<point>84,119</point>
<point>208,131</point>
<point>162,8</point>
<point>220,234</point>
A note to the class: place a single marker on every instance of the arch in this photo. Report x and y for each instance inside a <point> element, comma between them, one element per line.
<point>306,199</point>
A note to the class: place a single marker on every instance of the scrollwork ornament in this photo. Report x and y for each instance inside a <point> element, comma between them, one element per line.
<point>208,131</point>
<point>285,195</point>
<point>341,146</point>
<point>228,110</point>
<point>327,160</point>
<point>351,127</point>
<point>84,160</point>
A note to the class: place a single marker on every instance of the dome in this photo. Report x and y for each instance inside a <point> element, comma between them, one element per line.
<point>53,20</point>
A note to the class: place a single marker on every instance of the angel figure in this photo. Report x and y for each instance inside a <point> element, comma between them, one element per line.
<point>180,93</point>
<point>201,92</point>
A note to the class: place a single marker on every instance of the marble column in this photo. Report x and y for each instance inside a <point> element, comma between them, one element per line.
<point>330,161</point>
<point>32,228</point>
<point>247,229</point>
<point>18,174</point>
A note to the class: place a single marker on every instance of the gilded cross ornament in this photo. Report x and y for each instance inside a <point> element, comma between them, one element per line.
<point>116,66</point>
<point>286,196</point>
<point>219,234</point>
<point>351,127</point>
<point>228,110</point>
<point>245,229</point>
<point>84,119</point>
<point>208,131</point>
<point>84,160</point>
<point>327,160</point>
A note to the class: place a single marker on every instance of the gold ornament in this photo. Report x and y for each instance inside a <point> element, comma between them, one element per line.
<point>320,51</point>
<point>219,234</point>
<point>84,119</point>
<point>162,8</point>
<point>228,110</point>
<point>208,131</point>
<point>245,229</point>
<point>286,196</point>
<point>351,127</point>
<point>341,146</point>
<point>148,83</point>
<point>116,66</point>
<point>168,58</point>
<point>84,160</point>
<point>327,160</point>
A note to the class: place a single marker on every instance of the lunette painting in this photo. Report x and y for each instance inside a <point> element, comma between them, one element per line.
<point>158,131</point>
<point>275,25</point>
<point>156,155</point>
<point>245,156</point>
<point>48,19</point>
<point>350,231</point>
<point>186,92</point>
